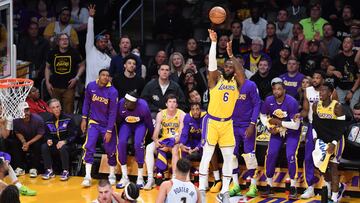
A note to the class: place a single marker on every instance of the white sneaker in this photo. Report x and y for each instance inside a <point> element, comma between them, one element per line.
<point>86,182</point>
<point>308,193</point>
<point>33,173</point>
<point>19,172</point>
<point>150,184</point>
<point>122,183</point>
<point>112,179</point>
<point>140,183</point>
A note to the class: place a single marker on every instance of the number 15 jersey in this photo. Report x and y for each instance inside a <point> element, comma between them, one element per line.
<point>223,98</point>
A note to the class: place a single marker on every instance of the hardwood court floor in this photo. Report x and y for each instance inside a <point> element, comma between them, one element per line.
<point>56,191</point>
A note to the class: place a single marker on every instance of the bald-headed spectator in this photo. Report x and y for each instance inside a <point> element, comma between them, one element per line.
<point>255,26</point>
<point>36,104</point>
<point>152,69</point>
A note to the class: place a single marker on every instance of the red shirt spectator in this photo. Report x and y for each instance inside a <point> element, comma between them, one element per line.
<point>36,104</point>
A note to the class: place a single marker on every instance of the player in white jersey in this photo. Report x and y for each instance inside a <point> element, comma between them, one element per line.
<point>179,189</point>
<point>311,96</point>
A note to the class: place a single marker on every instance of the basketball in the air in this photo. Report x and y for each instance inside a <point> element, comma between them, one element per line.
<point>217,15</point>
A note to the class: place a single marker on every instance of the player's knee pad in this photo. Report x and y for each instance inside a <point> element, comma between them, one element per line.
<point>250,160</point>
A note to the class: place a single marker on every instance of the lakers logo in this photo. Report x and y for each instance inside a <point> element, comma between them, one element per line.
<point>280,113</point>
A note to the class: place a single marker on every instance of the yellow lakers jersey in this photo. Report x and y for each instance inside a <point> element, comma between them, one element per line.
<point>223,98</point>
<point>170,126</point>
<point>326,112</point>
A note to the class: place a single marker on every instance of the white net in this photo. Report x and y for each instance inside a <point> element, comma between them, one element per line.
<point>13,93</point>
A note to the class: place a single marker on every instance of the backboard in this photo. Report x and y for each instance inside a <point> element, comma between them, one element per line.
<point>7,49</point>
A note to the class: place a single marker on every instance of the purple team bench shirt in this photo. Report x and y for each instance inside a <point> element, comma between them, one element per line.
<point>247,107</point>
<point>191,132</point>
<point>100,104</point>
<point>141,114</point>
<point>292,84</point>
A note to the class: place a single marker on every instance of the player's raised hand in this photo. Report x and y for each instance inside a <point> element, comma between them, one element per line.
<point>212,35</point>
<point>91,10</point>
<point>229,49</point>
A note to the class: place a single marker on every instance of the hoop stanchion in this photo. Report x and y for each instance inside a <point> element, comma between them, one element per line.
<point>13,92</point>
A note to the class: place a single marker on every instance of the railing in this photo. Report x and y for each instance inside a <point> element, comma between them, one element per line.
<point>122,24</point>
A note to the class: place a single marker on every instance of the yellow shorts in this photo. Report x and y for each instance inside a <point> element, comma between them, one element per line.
<point>218,132</point>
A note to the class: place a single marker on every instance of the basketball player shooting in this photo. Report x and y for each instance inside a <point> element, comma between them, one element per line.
<point>217,124</point>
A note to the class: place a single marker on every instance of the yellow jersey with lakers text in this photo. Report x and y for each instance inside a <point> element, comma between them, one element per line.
<point>223,98</point>
<point>326,112</point>
<point>170,125</point>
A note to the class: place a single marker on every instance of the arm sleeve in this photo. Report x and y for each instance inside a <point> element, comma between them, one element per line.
<point>112,111</point>
<point>6,156</point>
<point>86,105</point>
<point>263,119</point>
<point>185,131</point>
<point>255,99</point>
<point>293,125</point>
<point>89,35</point>
<point>147,119</point>
<point>212,57</point>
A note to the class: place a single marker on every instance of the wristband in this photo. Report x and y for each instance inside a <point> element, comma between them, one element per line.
<point>231,56</point>
<point>252,123</point>
<point>334,142</point>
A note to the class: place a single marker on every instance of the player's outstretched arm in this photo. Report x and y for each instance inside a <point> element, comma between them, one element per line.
<point>239,69</point>
<point>213,72</point>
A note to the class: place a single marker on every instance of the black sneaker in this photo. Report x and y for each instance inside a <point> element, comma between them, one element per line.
<point>268,192</point>
<point>293,193</point>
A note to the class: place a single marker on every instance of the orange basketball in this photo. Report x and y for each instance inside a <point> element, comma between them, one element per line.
<point>217,15</point>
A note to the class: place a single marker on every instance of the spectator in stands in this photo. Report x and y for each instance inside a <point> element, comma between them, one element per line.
<point>10,194</point>
<point>177,65</point>
<point>33,47</point>
<point>342,25</point>
<point>192,80</point>
<point>355,34</point>
<point>134,120</point>
<point>330,42</point>
<point>326,67</point>
<point>59,136</point>
<point>43,16</point>
<point>63,70</point>
<point>280,65</point>
<point>156,91</point>
<point>356,112</point>
<point>128,81</point>
<point>272,45</point>
<point>293,78</point>
<point>332,10</point>
<point>79,19</point>
<point>296,11</point>
<point>255,26</point>
<point>240,43</point>
<point>193,52</point>
<point>283,26</point>
<point>117,62</point>
<point>203,70</point>
<point>62,26</point>
<point>29,132</point>
<point>171,24</point>
<point>298,43</point>
<point>347,75</point>
<point>263,78</point>
<point>311,61</point>
<point>153,68</point>
<point>252,59</point>
<point>221,54</point>
<point>314,24</point>
<point>36,104</point>
<point>96,58</point>
<point>305,83</point>
<point>194,97</point>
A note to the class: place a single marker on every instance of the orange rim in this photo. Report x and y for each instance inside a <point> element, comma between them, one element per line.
<point>15,82</point>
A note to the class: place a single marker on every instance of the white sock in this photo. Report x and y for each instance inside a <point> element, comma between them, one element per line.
<point>328,185</point>
<point>235,178</point>
<point>269,181</point>
<point>203,181</point>
<point>18,185</point>
<point>150,160</point>
<point>311,188</point>
<point>88,170</point>
<point>12,175</point>
<point>334,196</point>
<point>140,173</point>
<point>225,184</point>
<point>216,175</point>
<point>293,183</point>
<point>253,181</point>
<point>112,171</point>
<point>124,171</point>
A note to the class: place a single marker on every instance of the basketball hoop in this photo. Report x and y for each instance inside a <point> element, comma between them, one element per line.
<point>13,92</point>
